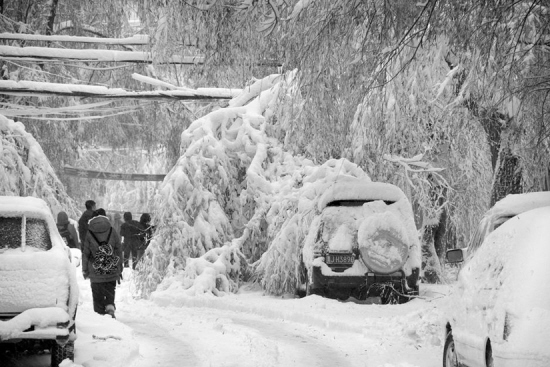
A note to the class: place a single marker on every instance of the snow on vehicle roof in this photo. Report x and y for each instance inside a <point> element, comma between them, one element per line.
<point>514,260</point>
<point>518,203</point>
<point>19,205</point>
<point>351,188</point>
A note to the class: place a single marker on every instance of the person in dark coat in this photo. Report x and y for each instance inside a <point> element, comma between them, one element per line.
<point>146,230</point>
<point>102,262</point>
<point>83,221</point>
<point>130,231</point>
<point>117,222</point>
<point>67,231</point>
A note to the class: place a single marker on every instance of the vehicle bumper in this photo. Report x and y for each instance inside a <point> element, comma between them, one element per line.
<point>46,333</point>
<point>44,324</point>
<point>371,282</point>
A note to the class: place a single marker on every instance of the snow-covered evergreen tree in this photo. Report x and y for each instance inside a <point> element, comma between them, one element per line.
<point>26,171</point>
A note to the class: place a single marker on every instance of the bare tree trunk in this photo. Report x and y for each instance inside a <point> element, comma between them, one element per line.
<point>430,261</point>
<point>508,177</point>
<point>51,18</point>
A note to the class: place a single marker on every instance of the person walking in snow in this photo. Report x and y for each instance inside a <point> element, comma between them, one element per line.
<point>146,230</point>
<point>67,231</point>
<point>102,262</point>
<point>130,231</point>
<point>83,221</point>
<point>117,222</point>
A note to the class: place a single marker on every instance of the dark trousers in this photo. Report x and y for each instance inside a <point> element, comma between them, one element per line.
<point>133,253</point>
<point>103,295</point>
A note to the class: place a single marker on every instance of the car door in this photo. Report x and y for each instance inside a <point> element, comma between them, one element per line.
<point>480,320</point>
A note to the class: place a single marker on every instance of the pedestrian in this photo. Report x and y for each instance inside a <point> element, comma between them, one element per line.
<point>131,243</point>
<point>102,262</point>
<point>117,222</point>
<point>67,231</point>
<point>146,230</point>
<point>83,221</point>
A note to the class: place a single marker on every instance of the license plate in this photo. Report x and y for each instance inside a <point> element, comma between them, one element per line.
<point>340,259</point>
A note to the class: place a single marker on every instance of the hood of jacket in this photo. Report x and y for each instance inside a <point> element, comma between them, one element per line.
<point>62,218</point>
<point>99,224</point>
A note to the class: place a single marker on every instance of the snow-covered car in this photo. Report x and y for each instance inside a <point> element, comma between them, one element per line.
<point>503,210</point>
<point>363,244</point>
<point>499,313</point>
<point>38,286</point>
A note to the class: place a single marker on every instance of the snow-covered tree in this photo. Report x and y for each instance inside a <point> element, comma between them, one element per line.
<point>236,196</point>
<point>26,171</point>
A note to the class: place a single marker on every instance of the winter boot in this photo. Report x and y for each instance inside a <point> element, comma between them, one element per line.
<point>110,310</point>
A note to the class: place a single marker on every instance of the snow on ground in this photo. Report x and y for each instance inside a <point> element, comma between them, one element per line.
<point>250,329</point>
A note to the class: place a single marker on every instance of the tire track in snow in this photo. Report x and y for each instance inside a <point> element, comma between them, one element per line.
<point>157,346</point>
<point>306,350</point>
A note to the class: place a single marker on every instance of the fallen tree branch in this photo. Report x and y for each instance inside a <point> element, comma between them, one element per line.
<point>138,39</point>
<point>27,88</point>
<point>93,55</point>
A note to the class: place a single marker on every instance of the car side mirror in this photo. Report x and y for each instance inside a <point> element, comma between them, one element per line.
<point>455,256</point>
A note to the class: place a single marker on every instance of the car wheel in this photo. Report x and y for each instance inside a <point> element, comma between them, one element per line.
<point>341,294</point>
<point>314,291</point>
<point>489,355</point>
<point>62,352</point>
<point>450,359</point>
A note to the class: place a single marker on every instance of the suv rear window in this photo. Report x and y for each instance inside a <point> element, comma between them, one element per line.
<point>355,202</point>
<point>36,233</point>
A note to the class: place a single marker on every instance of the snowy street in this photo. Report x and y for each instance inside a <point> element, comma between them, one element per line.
<point>249,329</point>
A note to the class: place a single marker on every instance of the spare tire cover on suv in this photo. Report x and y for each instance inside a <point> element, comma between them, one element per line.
<point>383,243</point>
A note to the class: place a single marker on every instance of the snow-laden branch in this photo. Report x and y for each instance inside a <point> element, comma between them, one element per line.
<point>93,55</point>
<point>415,164</point>
<point>214,91</point>
<point>235,192</point>
<point>138,39</point>
<point>26,171</point>
<point>29,88</point>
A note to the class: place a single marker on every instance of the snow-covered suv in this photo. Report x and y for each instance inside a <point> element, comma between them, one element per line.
<point>363,244</point>
<point>38,287</point>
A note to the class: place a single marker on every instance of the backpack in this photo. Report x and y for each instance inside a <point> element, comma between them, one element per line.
<point>66,235</point>
<point>105,261</point>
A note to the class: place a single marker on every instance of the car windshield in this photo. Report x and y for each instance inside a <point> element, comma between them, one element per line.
<point>10,233</point>
<point>486,226</point>
<point>36,233</point>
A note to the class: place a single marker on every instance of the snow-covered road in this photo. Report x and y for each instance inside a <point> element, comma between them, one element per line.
<point>251,329</point>
<point>205,337</point>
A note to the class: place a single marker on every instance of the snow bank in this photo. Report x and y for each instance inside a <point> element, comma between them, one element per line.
<point>101,340</point>
<point>26,171</point>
